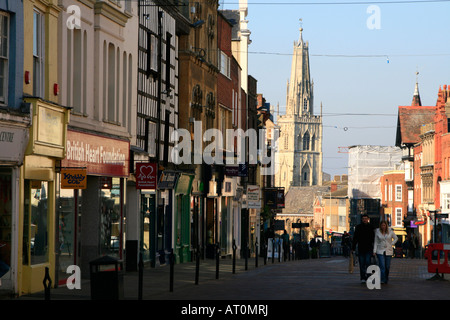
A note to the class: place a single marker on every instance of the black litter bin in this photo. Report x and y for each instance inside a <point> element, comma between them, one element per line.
<point>106,278</point>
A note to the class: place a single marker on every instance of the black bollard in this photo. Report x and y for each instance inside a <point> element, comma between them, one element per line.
<point>246,256</point>
<point>234,256</point>
<point>172,265</point>
<point>265,253</point>
<point>197,265</point>
<point>273,250</point>
<point>47,284</point>
<point>256,253</point>
<point>217,260</point>
<point>141,274</point>
<point>279,251</point>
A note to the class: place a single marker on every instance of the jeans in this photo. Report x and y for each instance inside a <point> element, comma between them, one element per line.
<point>4,268</point>
<point>364,263</point>
<point>384,262</point>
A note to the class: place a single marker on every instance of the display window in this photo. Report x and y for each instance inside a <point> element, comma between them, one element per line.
<point>35,226</point>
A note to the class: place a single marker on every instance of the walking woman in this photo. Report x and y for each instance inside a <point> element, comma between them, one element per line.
<point>385,238</point>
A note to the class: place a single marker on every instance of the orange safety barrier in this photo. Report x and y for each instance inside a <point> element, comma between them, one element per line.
<point>438,255</point>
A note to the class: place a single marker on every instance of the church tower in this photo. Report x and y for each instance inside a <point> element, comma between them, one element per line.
<point>300,141</point>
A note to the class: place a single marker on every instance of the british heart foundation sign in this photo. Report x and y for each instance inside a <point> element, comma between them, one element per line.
<point>101,156</point>
<point>146,176</point>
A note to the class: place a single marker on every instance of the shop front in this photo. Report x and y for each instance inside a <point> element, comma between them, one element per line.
<point>91,216</point>
<point>46,147</point>
<point>13,141</point>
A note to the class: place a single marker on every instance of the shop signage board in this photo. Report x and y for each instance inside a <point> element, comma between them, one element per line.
<point>146,176</point>
<point>168,180</point>
<point>13,142</point>
<point>73,178</point>
<point>253,197</point>
<point>184,184</point>
<point>100,155</point>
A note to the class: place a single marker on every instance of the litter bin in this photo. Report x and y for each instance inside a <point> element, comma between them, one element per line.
<point>106,275</point>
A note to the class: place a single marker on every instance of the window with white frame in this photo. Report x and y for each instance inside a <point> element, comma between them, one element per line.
<point>445,202</point>
<point>390,192</point>
<point>4,57</point>
<point>398,217</point>
<point>224,63</point>
<point>38,54</point>
<point>398,192</point>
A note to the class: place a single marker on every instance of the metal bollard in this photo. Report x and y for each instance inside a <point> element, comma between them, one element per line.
<point>47,284</point>
<point>246,256</point>
<point>279,251</point>
<point>273,253</point>
<point>234,256</point>
<point>256,252</point>
<point>172,265</point>
<point>217,260</point>
<point>197,265</point>
<point>141,273</point>
<point>265,253</point>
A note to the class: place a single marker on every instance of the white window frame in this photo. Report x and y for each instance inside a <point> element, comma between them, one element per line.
<point>390,192</point>
<point>4,40</point>
<point>224,64</point>
<point>398,193</point>
<point>398,217</point>
<point>445,201</point>
<point>38,53</point>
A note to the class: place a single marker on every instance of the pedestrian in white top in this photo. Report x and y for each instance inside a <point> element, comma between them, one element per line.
<point>385,238</point>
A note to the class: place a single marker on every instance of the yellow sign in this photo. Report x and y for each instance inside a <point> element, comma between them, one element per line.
<point>73,178</point>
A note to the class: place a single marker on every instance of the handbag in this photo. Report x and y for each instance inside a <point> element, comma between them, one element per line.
<point>374,260</point>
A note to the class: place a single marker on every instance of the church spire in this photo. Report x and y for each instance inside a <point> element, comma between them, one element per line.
<point>416,98</point>
<point>300,94</point>
<point>300,39</point>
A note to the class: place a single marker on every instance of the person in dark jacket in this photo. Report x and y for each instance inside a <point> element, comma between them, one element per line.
<point>364,238</point>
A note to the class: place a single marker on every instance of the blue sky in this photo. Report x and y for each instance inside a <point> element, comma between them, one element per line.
<point>356,70</point>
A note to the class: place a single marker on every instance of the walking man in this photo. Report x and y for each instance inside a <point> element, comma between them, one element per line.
<point>363,238</point>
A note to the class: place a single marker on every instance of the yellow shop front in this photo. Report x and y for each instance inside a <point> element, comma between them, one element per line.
<point>38,191</point>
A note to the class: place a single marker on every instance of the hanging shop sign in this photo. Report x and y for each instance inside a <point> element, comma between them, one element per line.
<point>168,180</point>
<point>146,176</point>
<point>280,198</point>
<point>100,155</point>
<point>253,197</point>
<point>232,171</point>
<point>229,187</point>
<point>212,188</point>
<point>73,178</point>
<point>184,184</point>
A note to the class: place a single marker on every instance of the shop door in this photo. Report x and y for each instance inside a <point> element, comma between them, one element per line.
<point>68,214</point>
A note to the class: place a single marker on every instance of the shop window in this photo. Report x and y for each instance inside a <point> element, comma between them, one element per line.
<point>5,218</point>
<point>35,225</point>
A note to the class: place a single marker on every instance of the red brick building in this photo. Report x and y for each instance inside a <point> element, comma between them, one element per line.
<point>394,201</point>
